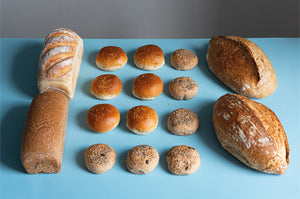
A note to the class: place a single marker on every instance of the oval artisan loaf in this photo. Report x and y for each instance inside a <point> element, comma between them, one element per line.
<point>252,133</point>
<point>242,66</point>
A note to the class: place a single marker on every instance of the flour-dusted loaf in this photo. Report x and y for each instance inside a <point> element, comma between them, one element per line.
<point>242,66</point>
<point>252,133</point>
<point>60,62</point>
<point>44,133</point>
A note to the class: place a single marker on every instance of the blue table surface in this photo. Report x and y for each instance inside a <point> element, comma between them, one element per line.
<point>220,174</point>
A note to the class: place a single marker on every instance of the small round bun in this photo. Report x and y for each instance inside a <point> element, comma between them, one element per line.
<point>100,158</point>
<point>111,58</point>
<point>103,117</point>
<point>147,86</point>
<point>183,88</point>
<point>106,86</point>
<point>142,120</point>
<point>183,160</point>
<point>149,57</point>
<point>183,59</point>
<point>183,122</point>
<point>142,159</point>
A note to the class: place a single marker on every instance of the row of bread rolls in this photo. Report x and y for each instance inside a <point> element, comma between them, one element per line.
<point>142,159</point>
<point>145,87</point>
<point>46,122</point>
<point>148,57</point>
<point>141,120</point>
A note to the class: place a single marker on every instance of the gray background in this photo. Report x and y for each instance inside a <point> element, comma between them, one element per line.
<point>151,18</point>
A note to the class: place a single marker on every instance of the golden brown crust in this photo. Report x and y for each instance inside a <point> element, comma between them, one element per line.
<point>142,120</point>
<point>111,58</point>
<point>252,133</point>
<point>142,159</point>
<point>102,118</point>
<point>183,160</point>
<point>100,158</point>
<point>183,122</point>
<point>242,66</point>
<point>106,86</point>
<point>182,59</point>
<point>60,61</point>
<point>149,57</point>
<point>183,88</point>
<point>44,133</point>
<point>147,86</point>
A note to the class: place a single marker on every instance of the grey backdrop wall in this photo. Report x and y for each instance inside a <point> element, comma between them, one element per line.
<point>151,18</point>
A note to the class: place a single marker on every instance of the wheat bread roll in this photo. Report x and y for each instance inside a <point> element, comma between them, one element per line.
<point>183,59</point>
<point>60,61</point>
<point>252,133</point>
<point>242,66</point>
<point>44,133</point>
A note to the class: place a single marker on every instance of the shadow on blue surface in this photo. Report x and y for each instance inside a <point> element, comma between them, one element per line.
<point>86,88</point>
<point>81,120</point>
<point>121,160</point>
<point>80,159</point>
<point>163,160</point>
<point>92,58</point>
<point>127,87</point>
<point>25,68</point>
<point>12,126</point>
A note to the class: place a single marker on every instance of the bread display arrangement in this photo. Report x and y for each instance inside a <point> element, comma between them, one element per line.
<point>252,133</point>
<point>247,129</point>
<point>45,127</point>
<point>242,66</point>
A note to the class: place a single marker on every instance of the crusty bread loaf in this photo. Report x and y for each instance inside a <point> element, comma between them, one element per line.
<point>60,62</point>
<point>242,66</point>
<point>252,133</point>
<point>44,133</point>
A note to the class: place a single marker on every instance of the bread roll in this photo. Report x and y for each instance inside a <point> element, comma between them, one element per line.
<point>142,120</point>
<point>111,58</point>
<point>183,88</point>
<point>60,62</point>
<point>183,59</point>
<point>44,133</point>
<point>242,66</point>
<point>149,57</point>
<point>147,86</point>
<point>106,86</point>
<point>102,118</point>
<point>252,133</point>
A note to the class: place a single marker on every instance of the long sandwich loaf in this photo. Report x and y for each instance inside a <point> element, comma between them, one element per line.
<point>46,122</point>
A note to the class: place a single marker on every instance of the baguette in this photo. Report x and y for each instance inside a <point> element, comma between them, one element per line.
<point>252,133</point>
<point>242,66</point>
<point>60,61</point>
<point>44,133</point>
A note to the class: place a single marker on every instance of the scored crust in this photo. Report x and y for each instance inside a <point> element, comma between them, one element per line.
<point>252,133</point>
<point>242,66</point>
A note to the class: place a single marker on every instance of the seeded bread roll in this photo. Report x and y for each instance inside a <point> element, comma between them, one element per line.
<point>182,59</point>
<point>44,133</point>
<point>252,133</point>
<point>100,158</point>
<point>183,88</point>
<point>183,122</point>
<point>183,160</point>
<point>242,66</point>
<point>60,62</point>
<point>142,159</point>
